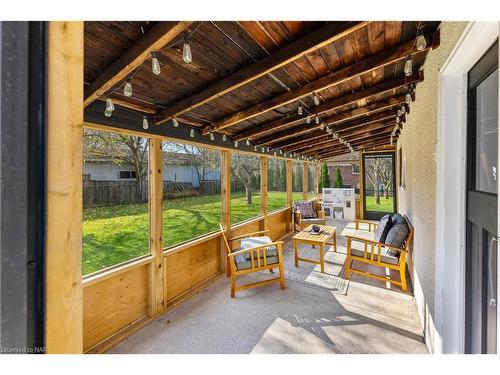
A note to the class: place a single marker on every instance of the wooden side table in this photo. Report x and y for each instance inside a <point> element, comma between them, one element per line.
<point>306,237</point>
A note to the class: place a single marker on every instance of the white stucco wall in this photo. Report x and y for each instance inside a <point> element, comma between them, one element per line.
<point>418,199</point>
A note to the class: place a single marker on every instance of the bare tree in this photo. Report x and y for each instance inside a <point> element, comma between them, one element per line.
<point>379,171</point>
<point>121,150</point>
<point>246,168</point>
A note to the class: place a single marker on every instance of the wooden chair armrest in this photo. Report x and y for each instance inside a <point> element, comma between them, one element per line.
<point>372,242</point>
<point>321,214</point>
<point>370,223</point>
<point>249,235</point>
<point>278,244</point>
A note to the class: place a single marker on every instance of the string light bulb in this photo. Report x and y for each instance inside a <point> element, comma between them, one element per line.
<point>300,110</point>
<point>255,148</point>
<point>322,126</point>
<point>109,105</point>
<point>155,64</point>
<point>408,98</point>
<point>212,137</point>
<point>398,120</point>
<point>399,112</point>
<point>224,137</point>
<point>316,120</point>
<point>191,133</point>
<point>175,123</point>
<point>248,142</point>
<point>236,144</point>
<point>316,99</point>
<point>421,43</point>
<point>127,89</point>
<point>145,124</point>
<point>403,109</point>
<point>107,113</point>
<point>408,68</point>
<point>187,56</point>
<point>308,119</point>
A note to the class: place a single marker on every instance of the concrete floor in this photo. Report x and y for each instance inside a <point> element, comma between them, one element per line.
<point>371,318</point>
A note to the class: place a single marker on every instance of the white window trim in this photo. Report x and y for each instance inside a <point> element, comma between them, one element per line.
<point>476,39</point>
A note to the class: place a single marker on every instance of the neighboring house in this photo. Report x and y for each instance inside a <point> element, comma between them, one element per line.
<point>349,169</point>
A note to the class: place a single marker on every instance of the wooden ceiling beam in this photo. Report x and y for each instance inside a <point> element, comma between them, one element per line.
<point>334,78</point>
<point>154,39</point>
<point>331,105</point>
<point>386,115</point>
<point>293,51</point>
<point>356,144</point>
<point>361,112</point>
<point>349,135</point>
<point>373,145</point>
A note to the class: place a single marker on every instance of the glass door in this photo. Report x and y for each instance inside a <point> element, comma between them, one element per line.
<point>482,203</point>
<point>379,184</point>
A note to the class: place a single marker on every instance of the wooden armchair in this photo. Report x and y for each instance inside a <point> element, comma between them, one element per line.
<point>266,255</point>
<point>299,223</point>
<point>362,247</point>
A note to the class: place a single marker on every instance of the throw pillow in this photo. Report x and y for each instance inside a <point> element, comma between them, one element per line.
<point>396,237</point>
<point>306,209</point>
<point>383,228</point>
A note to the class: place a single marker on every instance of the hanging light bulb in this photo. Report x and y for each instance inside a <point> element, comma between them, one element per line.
<point>284,154</point>
<point>175,123</point>
<point>248,142</point>
<point>328,130</point>
<point>155,64</point>
<point>127,89</point>
<point>397,120</point>
<point>316,120</point>
<point>399,112</point>
<point>212,137</point>
<point>268,148</point>
<point>408,98</point>
<point>236,144</point>
<point>391,139</point>
<point>224,137</point>
<point>316,99</point>
<point>300,110</point>
<point>191,133</point>
<point>109,105</point>
<point>107,113</point>
<point>308,119</point>
<point>255,148</point>
<point>403,109</point>
<point>274,153</point>
<point>322,126</point>
<point>408,69</point>
<point>263,149</point>
<point>145,123</point>
<point>186,52</point>
<point>281,151</point>
<point>421,43</point>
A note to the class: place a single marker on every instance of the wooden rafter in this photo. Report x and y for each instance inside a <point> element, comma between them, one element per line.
<point>361,112</point>
<point>154,39</point>
<point>372,145</point>
<point>337,103</point>
<point>356,144</point>
<point>296,49</point>
<point>365,66</point>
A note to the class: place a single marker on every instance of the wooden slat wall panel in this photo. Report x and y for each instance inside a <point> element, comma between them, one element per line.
<point>278,223</point>
<point>192,266</point>
<point>113,304</point>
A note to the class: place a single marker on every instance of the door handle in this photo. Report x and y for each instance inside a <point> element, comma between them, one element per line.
<point>493,301</point>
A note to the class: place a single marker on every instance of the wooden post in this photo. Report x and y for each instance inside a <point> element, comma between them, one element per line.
<point>289,191</point>
<point>157,294</point>
<point>361,186</point>
<point>317,173</point>
<point>226,206</point>
<point>64,295</point>
<point>263,188</point>
<point>304,179</point>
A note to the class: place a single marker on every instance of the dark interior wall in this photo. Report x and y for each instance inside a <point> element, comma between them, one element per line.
<point>22,185</point>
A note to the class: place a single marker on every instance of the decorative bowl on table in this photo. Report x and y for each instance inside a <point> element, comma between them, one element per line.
<point>315,229</point>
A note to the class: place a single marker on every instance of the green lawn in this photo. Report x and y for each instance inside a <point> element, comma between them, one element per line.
<point>115,234</point>
<point>386,205</point>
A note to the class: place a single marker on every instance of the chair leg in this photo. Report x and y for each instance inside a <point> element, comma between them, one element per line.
<point>233,285</point>
<point>402,275</point>
<point>348,268</point>
<point>282,276</point>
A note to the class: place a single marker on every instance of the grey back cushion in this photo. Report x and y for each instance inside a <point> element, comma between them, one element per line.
<point>383,228</point>
<point>397,219</point>
<point>397,236</point>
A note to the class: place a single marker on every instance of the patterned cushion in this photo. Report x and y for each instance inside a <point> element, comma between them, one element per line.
<point>383,228</point>
<point>306,209</point>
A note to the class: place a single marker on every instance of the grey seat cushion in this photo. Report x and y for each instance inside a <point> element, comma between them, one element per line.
<point>242,263</point>
<point>357,249</point>
<point>383,228</point>
<point>249,242</point>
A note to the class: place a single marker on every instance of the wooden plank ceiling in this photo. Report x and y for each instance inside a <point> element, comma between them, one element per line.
<point>248,79</point>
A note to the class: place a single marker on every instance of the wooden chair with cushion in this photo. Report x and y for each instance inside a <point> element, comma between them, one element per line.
<point>301,221</point>
<point>254,254</point>
<point>363,247</point>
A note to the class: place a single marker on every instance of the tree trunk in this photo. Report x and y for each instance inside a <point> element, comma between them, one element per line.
<point>248,193</point>
<point>377,191</point>
<point>386,193</point>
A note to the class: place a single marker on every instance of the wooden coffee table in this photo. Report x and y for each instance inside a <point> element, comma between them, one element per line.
<point>306,237</point>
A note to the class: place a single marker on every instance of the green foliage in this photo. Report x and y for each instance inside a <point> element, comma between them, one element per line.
<point>338,181</point>
<point>324,178</point>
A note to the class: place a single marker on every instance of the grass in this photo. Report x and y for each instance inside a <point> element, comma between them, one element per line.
<point>386,205</point>
<point>115,234</point>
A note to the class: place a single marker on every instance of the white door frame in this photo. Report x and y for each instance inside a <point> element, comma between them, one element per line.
<point>476,39</point>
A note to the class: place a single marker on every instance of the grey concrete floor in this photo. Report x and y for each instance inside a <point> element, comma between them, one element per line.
<point>371,318</point>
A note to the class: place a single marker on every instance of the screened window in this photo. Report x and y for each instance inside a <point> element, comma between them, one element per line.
<point>297,180</point>
<point>245,187</point>
<point>276,184</point>
<point>311,174</point>
<point>115,212</point>
<point>191,192</point>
